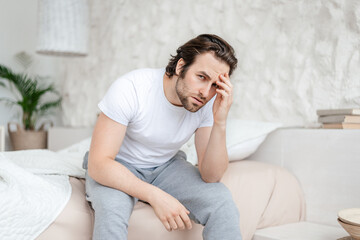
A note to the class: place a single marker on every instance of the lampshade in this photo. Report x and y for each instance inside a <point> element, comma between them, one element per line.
<point>63,27</point>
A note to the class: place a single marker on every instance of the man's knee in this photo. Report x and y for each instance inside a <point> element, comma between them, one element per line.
<point>112,203</point>
<point>109,203</point>
<point>219,196</point>
<point>215,199</point>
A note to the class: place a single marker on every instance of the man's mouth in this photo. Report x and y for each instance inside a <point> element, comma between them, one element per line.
<point>198,100</point>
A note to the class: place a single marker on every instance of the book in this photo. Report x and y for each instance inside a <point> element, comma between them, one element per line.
<point>339,119</point>
<point>348,111</point>
<point>342,125</point>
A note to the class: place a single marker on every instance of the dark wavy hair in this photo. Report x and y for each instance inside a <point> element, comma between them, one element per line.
<point>202,44</point>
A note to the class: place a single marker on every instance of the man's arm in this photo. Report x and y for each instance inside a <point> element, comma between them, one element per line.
<point>107,138</point>
<point>211,151</point>
<point>210,142</point>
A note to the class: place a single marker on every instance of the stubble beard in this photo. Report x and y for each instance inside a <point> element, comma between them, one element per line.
<point>182,91</point>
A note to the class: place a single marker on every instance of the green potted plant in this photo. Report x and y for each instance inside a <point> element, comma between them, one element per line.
<point>28,94</point>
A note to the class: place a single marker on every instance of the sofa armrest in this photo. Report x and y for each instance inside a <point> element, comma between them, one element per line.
<point>266,195</point>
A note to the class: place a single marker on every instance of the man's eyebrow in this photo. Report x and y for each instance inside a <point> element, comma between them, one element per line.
<point>205,74</point>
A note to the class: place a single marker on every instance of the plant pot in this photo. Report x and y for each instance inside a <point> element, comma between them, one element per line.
<point>25,139</point>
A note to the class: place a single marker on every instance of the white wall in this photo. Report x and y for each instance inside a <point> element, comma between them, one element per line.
<point>294,56</point>
<point>18,24</point>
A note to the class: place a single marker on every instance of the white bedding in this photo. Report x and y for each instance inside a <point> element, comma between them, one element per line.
<point>34,189</point>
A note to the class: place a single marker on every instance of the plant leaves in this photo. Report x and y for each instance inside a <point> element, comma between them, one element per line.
<point>31,91</point>
<point>49,105</point>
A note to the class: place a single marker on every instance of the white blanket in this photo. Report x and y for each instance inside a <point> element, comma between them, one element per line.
<point>34,189</point>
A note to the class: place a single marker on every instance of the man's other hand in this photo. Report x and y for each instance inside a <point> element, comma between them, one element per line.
<point>223,100</point>
<point>172,214</point>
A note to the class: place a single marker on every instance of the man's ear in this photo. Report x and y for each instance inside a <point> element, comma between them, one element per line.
<point>179,65</point>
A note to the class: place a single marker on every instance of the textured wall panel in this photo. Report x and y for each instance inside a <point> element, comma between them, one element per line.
<point>294,56</point>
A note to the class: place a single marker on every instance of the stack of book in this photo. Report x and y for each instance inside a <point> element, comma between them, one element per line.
<point>339,118</point>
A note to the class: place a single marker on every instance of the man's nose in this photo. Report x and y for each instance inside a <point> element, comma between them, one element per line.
<point>205,90</point>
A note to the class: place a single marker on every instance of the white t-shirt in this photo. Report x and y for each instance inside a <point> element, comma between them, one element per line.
<point>156,129</point>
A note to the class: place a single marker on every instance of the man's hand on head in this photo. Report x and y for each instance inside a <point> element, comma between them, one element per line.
<point>223,99</point>
<point>172,214</point>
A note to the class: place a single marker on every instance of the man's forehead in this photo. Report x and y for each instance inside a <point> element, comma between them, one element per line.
<point>210,65</point>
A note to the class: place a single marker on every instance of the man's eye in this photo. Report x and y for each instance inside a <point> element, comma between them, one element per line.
<point>201,77</point>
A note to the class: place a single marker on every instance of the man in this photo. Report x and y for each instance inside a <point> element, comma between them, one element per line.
<point>147,115</point>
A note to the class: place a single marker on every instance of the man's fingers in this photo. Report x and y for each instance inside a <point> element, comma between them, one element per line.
<point>167,225</point>
<point>173,224</point>
<point>224,86</point>
<point>226,79</point>
<point>180,223</point>
<point>222,92</point>
<point>185,218</point>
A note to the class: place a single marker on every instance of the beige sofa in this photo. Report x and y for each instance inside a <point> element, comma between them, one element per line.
<point>265,189</point>
<point>266,195</point>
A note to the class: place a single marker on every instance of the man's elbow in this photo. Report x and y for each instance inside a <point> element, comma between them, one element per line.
<point>98,168</point>
<point>91,171</point>
<point>94,170</point>
<point>211,176</point>
<point>213,179</point>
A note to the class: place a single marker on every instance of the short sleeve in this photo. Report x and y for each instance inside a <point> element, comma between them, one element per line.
<point>207,114</point>
<point>120,102</point>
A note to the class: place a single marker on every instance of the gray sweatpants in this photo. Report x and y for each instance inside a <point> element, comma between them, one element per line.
<point>210,204</point>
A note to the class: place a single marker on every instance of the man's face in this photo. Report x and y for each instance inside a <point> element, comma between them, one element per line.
<point>199,83</point>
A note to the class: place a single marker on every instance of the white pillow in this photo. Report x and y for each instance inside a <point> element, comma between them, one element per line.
<point>242,139</point>
<point>77,150</point>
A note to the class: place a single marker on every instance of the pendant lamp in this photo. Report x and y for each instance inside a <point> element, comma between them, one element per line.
<point>63,27</point>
